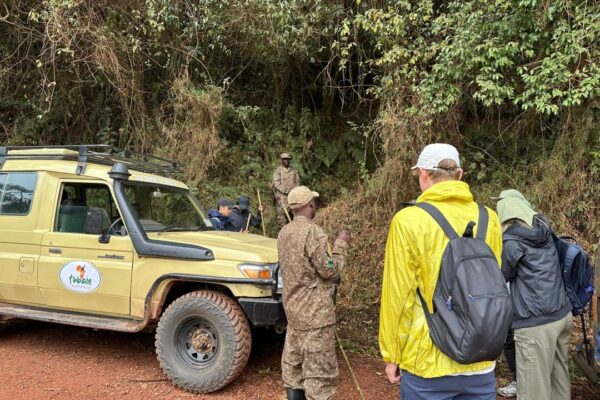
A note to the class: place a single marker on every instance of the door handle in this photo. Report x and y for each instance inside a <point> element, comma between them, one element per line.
<point>112,257</point>
<point>55,250</point>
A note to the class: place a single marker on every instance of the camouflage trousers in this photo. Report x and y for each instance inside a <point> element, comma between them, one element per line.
<point>281,217</point>
<point>309,362</point>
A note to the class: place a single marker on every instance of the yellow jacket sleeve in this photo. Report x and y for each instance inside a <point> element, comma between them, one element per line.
<point>398,291</point>
<point>494,235</point>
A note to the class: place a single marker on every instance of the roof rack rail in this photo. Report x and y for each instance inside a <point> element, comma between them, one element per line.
<point>93,153</point>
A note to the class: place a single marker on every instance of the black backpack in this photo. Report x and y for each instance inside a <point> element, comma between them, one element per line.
<point>577,272</point>
<point>472,309</point>
<point>576,268</point>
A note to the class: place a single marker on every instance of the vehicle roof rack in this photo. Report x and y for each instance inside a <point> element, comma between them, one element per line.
<point>92,153</point>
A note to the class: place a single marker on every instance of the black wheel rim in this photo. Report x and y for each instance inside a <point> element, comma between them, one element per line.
<point>197,342</point>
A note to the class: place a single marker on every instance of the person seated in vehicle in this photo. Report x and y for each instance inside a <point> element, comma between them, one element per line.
<point>220,217</point>
<point>241,213</point>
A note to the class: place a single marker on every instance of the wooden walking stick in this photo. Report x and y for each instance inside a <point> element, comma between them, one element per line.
<point>262,219</point>
<point>248,222</point>
<point>287,214</point>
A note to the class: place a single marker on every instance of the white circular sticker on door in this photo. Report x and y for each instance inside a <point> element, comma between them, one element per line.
<point>80,276</point>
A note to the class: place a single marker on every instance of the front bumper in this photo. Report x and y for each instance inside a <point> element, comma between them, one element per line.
<point>264,311</point>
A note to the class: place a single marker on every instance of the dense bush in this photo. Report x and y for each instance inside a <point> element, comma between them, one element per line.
<point>352,88</point>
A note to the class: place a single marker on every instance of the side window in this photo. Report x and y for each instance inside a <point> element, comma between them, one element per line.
<point>79,201</point>
<point>100,197</point>
<point>16,192</point>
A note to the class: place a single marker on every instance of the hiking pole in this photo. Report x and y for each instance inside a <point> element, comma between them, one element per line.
<point>262,219</point>
<point>586,340</point>
<point>362,396</point>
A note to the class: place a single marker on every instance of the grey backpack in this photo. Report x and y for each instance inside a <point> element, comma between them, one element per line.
<point>472,309</point>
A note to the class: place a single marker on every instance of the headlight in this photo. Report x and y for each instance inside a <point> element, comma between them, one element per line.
<point>279,280</point>
<point>257,271</point>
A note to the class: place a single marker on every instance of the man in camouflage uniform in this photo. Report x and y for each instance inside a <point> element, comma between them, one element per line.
<point>309,363</point>
<point>285,178</point>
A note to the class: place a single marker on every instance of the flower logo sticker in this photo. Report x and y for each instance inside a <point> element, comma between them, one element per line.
<point>80,276</point>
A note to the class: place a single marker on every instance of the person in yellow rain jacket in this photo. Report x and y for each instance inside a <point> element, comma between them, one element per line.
<point>413,257</point>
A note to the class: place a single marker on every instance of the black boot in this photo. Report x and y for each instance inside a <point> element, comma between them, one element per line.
<point>295,394</point>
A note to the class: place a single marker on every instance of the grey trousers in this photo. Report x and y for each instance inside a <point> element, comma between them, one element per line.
<point>542,361</point>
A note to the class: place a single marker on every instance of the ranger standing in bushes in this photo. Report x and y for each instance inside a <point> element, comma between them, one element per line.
<point>285,178</point>
<point>309,364</point>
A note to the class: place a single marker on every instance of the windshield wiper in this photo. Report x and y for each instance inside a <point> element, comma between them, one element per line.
<point>175,228</point>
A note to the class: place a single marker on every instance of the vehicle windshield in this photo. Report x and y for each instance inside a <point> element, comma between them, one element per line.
<point>164,208</point>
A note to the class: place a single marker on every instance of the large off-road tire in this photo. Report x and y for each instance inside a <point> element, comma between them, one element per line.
<point>203,341</point>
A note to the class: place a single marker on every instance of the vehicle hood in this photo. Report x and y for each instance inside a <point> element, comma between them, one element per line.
<point>227,245</point>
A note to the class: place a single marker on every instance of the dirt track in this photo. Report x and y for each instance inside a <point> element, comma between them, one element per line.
<point>47,361</point>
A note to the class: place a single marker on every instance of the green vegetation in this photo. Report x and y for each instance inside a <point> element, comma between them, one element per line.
<point>352,88</point>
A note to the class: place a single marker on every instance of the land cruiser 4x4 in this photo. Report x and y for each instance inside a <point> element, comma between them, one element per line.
<point>95,237</point>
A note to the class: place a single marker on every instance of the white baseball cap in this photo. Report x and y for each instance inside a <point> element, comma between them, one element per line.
<point>432,154</point>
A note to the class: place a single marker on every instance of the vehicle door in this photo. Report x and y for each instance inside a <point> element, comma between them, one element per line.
<point>80,269</point>
<point>19,239</point>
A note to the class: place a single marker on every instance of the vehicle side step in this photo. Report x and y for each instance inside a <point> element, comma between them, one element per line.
<point>70,318</point>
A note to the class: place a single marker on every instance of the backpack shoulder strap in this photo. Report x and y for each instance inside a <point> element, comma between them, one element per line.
<point>482,223</point>
<point>440,219</point>
<point>572,253</point>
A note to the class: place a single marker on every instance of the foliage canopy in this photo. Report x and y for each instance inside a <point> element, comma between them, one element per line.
<point>353,88</point>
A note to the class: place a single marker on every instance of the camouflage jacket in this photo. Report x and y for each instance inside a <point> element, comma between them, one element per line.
<point>285,179</point>
<point>308,273</point>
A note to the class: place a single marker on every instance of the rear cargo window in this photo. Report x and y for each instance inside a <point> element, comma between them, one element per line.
<point>16,192</point>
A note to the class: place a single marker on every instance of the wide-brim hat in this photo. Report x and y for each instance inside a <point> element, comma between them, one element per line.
<point>285,156</point>
<point>513,205</point>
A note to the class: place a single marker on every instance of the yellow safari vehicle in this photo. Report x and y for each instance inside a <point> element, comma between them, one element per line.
<point>97,237</point>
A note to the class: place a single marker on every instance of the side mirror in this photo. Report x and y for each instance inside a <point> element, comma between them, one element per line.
<point>93,223</point>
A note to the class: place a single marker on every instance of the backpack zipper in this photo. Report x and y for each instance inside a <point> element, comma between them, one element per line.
<point>483,296</point>
<point>477,256</point>
<point>449,299</point>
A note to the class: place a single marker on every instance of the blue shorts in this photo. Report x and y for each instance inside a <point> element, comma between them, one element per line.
<point>462,387</point>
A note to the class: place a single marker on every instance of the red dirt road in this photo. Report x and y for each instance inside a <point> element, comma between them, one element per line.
<point>48,361</point>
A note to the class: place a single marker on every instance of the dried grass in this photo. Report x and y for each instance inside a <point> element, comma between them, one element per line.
<point>561,185</point>
<point>190,124</point>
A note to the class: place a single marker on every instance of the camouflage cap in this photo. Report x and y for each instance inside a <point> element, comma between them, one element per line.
<point>285,156</point>
<point>300,196</point>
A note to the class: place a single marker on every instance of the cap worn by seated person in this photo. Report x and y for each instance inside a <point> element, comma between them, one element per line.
<point>225,203</point>
<point>300,196</point>
<point>243,202</point>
